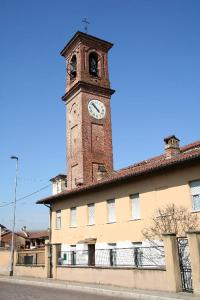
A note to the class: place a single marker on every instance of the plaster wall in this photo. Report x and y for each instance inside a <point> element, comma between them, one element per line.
<point>32,271</point>
<point>155,191</point>
<point>131,278</point>
<point>4,261</point>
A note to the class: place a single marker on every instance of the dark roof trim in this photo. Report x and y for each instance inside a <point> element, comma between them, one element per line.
<point>59,176</point>
<point>86,36</point>
<point>88,87</point>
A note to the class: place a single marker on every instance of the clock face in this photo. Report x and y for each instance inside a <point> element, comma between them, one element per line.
<point>97,109</point>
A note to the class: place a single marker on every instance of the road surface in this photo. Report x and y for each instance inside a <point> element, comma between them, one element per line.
<point>13,291</point>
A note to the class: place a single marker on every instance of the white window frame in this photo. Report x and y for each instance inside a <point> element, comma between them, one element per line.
<point>58,219</point>
<point>135,206</point>
<point>195,194</point>
<point>73,217</point>
<point>111,210</point>
<point>91,214</point>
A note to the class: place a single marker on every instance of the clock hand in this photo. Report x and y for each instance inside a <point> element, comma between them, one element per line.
<point>96,107</point>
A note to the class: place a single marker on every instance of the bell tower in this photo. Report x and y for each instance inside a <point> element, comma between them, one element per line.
<point>87,99</point>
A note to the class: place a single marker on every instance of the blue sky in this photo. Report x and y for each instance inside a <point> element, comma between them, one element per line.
<point>154,67</point>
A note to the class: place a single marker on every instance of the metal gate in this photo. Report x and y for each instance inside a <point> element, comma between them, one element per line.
<point>185,265</point>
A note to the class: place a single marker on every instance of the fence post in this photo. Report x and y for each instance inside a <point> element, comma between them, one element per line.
<point>136,262</point>
<point>173,271</point>
<point>194,248</point>
<point>47,258</point>
<point>55,253</point>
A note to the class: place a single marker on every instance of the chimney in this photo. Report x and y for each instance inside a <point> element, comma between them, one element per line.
<point>24,231</point>
<point>59,183</point>
<point>172,147</point>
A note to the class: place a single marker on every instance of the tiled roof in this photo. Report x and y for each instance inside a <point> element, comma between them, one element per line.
<point>187,154</point>
<point>36,234</point>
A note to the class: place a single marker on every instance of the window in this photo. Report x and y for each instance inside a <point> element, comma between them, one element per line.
<point>195,191</point>
<point>73,217</point>
<point>91,214</point>
<point>58,219</point>
<point>93,64</point>
<point>111,210</point>
<point>135,207</point>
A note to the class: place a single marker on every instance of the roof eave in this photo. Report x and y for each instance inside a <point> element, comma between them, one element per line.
<point>80,34</point>
<point>124,178</point>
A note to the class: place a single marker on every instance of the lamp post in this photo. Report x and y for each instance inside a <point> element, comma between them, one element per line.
<point>14,209</point>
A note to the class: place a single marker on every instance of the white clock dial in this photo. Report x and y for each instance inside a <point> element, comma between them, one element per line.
<point>97,109</point>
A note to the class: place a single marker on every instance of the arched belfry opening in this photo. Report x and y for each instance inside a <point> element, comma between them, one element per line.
<point>93,64</point>
<point>73,67</point>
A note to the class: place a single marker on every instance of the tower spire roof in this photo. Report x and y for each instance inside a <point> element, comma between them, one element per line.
<point>87,38</point>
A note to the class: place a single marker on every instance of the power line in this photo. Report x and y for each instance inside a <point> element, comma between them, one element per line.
<point>31,194</point>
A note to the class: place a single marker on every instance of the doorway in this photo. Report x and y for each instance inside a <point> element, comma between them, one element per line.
<point>91,254</point>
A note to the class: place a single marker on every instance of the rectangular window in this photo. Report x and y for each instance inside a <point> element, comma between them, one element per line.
<point>91,214</point>
<point>135,206</point>
<point>111,210</point>
<point>58,219</point>
<point>73,221</point>
<point>195,191</point>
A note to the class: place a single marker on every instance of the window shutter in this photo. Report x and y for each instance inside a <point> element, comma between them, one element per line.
<point>73,217</point>
<point>58,219</point>
<point>195,191</point>
<point>135,205</point>
<point>91,214</point>
<point>195,187</point>
<point>111,210</point>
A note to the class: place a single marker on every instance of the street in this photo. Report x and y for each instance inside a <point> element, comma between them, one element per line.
<point>13,291</point>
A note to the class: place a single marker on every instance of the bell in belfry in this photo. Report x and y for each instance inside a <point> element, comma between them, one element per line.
<point>93,62</point>
<point>73,67</point>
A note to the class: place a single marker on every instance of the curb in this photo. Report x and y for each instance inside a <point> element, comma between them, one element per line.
<point>90,290</point>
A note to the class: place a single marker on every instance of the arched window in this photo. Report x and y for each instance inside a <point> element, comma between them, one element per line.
<point>73,67</point>
<point>93,64</point>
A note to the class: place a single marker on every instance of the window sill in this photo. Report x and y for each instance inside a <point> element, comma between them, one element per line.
<point>57,228</point>
<point>195,211</point>
<point>135,219</point>
<point>111,222</point>
<point>90,224</point>
<point>72,226</point>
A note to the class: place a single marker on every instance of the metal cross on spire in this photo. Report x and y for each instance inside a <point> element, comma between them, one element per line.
<point>86,24</point>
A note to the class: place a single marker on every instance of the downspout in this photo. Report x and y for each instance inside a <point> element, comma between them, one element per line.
<point>50,213</point>
<point>50,236</point>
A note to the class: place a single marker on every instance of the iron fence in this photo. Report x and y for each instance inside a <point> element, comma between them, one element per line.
<point>152,257</point>
<point>185,264</point>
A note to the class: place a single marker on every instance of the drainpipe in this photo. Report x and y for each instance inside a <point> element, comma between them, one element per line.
<point>50,235</point>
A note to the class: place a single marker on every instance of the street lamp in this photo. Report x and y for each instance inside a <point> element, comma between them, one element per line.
<point>14,209</point>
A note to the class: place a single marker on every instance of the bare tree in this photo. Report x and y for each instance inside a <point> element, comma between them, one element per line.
<point>170,219</point>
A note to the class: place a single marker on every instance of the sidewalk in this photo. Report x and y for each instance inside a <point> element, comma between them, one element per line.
<point>99,289</point>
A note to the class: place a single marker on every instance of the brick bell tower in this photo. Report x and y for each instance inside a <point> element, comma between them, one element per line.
<point>87,99</point>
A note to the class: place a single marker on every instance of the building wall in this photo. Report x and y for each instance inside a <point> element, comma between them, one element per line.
<point>155,191</point>
<point>4,261</point>
<point>18,240</point>
<point>32,271</point>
